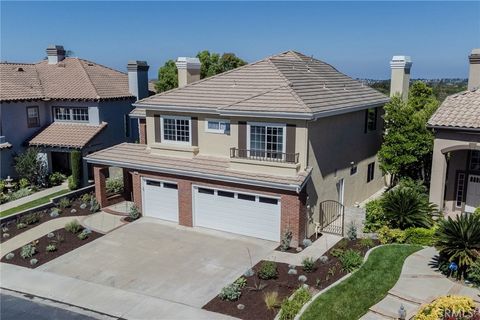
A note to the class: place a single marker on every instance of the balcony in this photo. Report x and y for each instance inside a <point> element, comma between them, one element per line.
<point>267,156</point>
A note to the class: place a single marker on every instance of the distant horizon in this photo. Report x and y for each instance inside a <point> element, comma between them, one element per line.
<point>357,38</point>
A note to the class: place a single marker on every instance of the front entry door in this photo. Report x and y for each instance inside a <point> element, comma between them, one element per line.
<point>473,193</point>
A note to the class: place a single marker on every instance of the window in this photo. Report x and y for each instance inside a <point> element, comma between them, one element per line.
<point>371,171</point>
<point>475,160</point>
<point>353,170</point>
<point>153,183</point>
<point>225,194</point>
<point>460,189</point>
<point>246,197</point>
<point>70,114</point>
<point>206,191</point>
<point>267,200</point>
<point>176,129</point>
<point>267,140</point>
<point>217,126</point>
<point>33,118</point>
<point>370,120</point>
<point>170,185</point>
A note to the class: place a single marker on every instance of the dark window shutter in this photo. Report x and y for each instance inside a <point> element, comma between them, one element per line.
<point>194,132</point>
<point>242,139</point>
<point>158,128</point>
<point>290,143</point>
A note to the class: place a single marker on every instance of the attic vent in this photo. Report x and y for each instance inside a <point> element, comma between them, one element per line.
<point>90,64</point>
<point>20,69</point>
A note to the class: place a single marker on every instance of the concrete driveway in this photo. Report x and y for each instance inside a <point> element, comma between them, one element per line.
<point>163,260</point>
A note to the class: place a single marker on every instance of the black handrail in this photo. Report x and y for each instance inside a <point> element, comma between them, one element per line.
<point>262,155</point>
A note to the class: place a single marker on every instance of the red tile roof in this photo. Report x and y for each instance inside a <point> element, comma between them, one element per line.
<point>68,135</point>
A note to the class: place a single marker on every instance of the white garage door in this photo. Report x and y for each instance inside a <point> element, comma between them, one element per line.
<point>160,199</point>
<point>237,212</point>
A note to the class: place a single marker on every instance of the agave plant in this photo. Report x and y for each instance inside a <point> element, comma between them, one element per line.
<point>458,240</point>
<point>404,209</point>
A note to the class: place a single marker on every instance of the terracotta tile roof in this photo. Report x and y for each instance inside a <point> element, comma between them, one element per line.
<point>461,110</point>
<point>5,145</point>
<point>67,135</point>
<point>72,79</point>
<point>289,82</point>
<point>138,113</point>
<point>137,156</point>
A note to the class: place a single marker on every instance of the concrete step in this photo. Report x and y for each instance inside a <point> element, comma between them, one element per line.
<point>370,315</point>
<point>390,305</point>
<point>404,297</point>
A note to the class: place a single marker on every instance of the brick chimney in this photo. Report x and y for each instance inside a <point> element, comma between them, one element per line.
<point>188,70</point>
<point>138,78</point>
<point>55,54</point>
<point>474,73</point>
<point>400,79</point>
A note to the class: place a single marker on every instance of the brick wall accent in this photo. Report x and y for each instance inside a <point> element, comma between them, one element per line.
<point>100,173</point>
<point>142,130</point>
<point>293,205</point>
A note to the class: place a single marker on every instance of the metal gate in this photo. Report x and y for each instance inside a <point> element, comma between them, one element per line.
<point>332,217</point>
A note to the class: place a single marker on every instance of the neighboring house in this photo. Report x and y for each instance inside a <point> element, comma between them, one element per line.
<point>63,104</point>
<point>253,151</point>
<point>455,180</point>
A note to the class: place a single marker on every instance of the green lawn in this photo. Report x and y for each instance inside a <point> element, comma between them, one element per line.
<point>32,204</point>
<point>353,297</point>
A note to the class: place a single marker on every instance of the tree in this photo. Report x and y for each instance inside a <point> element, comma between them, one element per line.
<point>76,163</point>
<point>31,166</point>
<point>212,64</point>
<point>407,146</point>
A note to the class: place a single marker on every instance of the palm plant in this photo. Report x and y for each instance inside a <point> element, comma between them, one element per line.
<point>458,240</point>
<point>404,209</point>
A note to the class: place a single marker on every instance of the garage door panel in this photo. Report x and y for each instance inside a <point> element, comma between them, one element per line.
<point>251,218</point>
<point>160,200</point>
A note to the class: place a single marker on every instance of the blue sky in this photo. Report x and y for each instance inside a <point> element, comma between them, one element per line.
<point>358,38</point>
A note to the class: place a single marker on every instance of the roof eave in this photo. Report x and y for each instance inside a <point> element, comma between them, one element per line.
<point>431,126</point>
<point>339,111</point>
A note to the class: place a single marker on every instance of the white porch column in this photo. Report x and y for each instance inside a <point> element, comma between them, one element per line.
<point>439,172</point>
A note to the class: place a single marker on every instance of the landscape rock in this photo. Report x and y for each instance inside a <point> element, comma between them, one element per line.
<point>307,242</point>
<point>249,273</point>
<point>292,271</point>
<point>240,306</point>
<point>6,235</point>
<point>83,206</point>
<point>302,278</point>
<point>323,259</point>
<point>73,211</point>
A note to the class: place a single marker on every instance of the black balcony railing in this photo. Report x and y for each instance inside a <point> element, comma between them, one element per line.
<point>261,155</point>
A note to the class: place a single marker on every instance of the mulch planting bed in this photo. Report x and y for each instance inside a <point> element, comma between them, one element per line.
<point>324,275</point>
<point>44,217</point>
<point>312,238</point>
<point>70,242</point>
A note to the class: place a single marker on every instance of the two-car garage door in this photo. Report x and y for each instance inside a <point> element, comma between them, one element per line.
<point>237,212</point>
<point>247,214</point>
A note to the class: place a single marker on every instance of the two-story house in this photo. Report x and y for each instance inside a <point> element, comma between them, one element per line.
<point>62,104</point>
<point>455,179</point>
<point>253,151</point>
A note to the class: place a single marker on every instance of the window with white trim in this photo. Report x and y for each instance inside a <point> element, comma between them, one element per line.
<point>460,189</point>
<point>267,140</point>
<point>176,129</point>
<point>475,160</point>
<point>33,117</point>
<point>217,126</point>
<point>70,114</point>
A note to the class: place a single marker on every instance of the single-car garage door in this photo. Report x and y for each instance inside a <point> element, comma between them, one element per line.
<point>160,199</point>
<point>237,212</point>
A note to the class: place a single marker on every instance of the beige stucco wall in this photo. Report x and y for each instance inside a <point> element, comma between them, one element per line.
<point>218,145</point>
<point>334,143</point>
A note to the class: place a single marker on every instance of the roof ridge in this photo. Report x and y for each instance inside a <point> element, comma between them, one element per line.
<point>99,64</point>
<point>88,77</point>
<point>42,91</point>
<point>289,85</point>
<point>22,63</point>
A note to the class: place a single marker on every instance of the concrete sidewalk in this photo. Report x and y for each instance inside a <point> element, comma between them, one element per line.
<point>419,283</point>
<point>35,196</point>
<point>105,299</point>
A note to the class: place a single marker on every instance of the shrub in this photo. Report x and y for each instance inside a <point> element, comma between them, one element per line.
<point>114,185</point>
<point>63,203</point>
<point>473,273</point>
<point>76,164</point>
<point>367,243</point>
<point>30,218</point>
<point>56,178</point>
<point>82,235</point>
<point>308,264</point>
<point>290,308</point>
<point>51,248</point>
<point>350,260</point>
<point>31,166</point>
<point>405,208</point>
<point>133,213</point>
<point>268,270</point>
<point>2,185</point>
<point>28,251</point>
<point>387,235</point>
<point>23,183</point>
<point>21,225</point>
<point>458,240</point>
<point>73,226</point>
<point>231,292</point>
<point>10,256</point>
<point>374,216</point>
<point>94,205</point>
<point>352,231</point>
<point>241,282</point>
<point>20,193</point>
<point>55,212</point>
<point>420,236</point>
<point>86,198</point>
<point>271,300</point>
<point>447,305</point>
<point>33,261</point>
<point>286,240</point>
<point>342,244</point>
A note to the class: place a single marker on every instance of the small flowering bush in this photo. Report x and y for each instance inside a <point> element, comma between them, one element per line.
<point>449,307</point>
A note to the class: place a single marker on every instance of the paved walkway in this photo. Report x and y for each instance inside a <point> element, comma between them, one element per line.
<point>418,284</point>
<point>35,196</point>
<point>103,222</point>
<point>315,251</point>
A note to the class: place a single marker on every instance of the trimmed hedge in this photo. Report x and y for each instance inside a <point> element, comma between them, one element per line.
<point>76,163</point>
<point>419,236</point>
